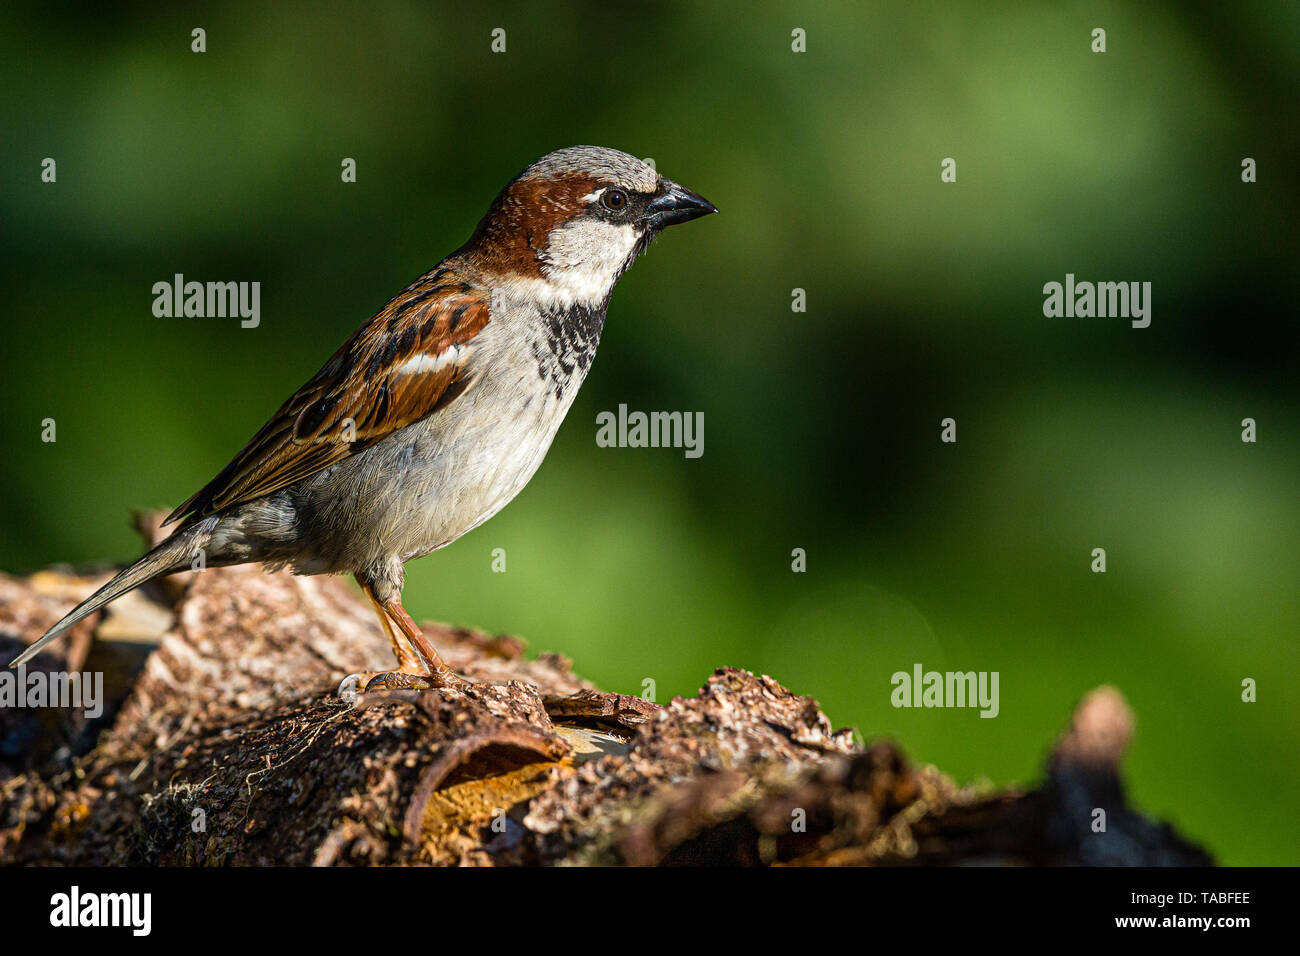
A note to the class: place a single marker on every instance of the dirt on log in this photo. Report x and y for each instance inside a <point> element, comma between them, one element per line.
<point>222,740</point>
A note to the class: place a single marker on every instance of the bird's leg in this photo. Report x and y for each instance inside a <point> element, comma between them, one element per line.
<point>419,665</point>
<point>414,636</point>
<point>407,660</point>
<point>438,673</point>
<point>413,670</point>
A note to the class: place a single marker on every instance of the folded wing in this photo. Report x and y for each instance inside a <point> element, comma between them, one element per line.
<point>406,363</point>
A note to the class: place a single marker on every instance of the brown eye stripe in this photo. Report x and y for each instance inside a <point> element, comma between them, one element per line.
<point>512,236</point>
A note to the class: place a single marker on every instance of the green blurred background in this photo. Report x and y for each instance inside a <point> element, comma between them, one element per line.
<point>821,429</point>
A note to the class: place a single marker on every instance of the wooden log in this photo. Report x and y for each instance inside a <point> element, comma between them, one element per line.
<point>223,741</point>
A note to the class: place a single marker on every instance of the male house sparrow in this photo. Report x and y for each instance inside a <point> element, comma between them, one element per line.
<point>439,409</point>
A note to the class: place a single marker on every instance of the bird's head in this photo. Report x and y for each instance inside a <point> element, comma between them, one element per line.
<point>575,220</point>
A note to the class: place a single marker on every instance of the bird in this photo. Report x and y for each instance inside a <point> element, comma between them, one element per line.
<point>438,410</point>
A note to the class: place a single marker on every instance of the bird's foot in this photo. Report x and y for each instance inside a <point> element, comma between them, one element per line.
<point>399,680</point>
<point>355,684</point>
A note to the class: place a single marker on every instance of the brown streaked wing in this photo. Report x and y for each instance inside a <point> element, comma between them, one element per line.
<point>405,363</point>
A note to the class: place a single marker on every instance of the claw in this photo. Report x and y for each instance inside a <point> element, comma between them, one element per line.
<point>349,687</point>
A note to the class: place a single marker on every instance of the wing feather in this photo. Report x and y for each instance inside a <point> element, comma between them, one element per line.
<point>407,362</point>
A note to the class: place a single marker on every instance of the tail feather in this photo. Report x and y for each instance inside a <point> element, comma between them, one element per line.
<point>174,553</point>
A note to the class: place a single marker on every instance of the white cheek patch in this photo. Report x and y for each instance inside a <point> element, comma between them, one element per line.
<point>584,258</point>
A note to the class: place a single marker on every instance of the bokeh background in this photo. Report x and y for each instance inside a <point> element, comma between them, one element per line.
<point>822,428</point>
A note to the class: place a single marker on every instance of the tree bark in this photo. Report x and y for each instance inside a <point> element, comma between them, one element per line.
<point>223,741</point>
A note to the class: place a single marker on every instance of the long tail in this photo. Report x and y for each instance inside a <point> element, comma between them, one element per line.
<point>174,553</point>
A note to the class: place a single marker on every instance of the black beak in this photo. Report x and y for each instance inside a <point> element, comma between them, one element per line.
<point>676,204</point>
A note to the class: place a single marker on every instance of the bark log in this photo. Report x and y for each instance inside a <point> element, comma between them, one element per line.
<point>223,741</point>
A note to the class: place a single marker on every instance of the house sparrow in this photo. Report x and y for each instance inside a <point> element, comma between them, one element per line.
<point>439,409</point>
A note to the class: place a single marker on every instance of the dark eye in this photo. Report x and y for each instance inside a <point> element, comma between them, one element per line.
<point>615,200</point>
